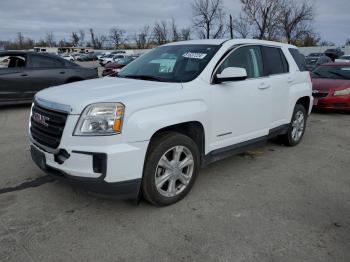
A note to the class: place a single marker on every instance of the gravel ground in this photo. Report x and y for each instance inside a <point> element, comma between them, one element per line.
<point>270,204</point>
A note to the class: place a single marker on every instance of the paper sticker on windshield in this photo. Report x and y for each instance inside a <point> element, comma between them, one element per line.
<point>194,55</point>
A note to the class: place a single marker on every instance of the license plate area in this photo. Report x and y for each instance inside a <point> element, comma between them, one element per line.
<point>315,101</point>
<point>38,157</point>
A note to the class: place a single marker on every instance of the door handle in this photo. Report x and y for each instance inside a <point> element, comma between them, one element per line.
<point>290,80</point>
<point>24,75</point>
<point>62,72</point>
<point>263,86</point>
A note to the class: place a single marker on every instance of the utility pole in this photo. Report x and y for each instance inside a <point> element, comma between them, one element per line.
<point>231,27</point>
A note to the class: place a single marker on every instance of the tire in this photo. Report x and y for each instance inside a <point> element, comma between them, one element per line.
<point>162,168</point>
<point>296,128</point>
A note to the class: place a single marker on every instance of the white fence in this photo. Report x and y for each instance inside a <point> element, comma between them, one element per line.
<point>321,49</point>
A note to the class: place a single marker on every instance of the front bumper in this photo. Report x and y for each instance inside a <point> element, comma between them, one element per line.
<point>116,171</point>
<point>332,102</point>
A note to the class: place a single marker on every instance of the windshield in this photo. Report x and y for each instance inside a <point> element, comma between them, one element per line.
<point>311,61</point>
<point>332,72</point>
<point>175,63</point>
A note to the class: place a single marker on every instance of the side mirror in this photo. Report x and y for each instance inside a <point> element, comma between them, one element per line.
<point>232,74</point>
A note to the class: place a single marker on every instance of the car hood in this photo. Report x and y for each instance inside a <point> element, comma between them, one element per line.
<point>108,89</point>
<point>326,84</point>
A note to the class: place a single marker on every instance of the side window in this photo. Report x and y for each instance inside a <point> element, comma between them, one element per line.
<point>274,61</point>
<point>43,61</point>
<point>298,58</point>
<point>12,61</point>
<point>248,57</point>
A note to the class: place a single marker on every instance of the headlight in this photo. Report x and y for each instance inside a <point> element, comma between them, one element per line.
<point>343,92</point>
<point>100,119</point>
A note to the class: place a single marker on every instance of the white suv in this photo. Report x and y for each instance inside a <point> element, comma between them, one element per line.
<point>177,108</point>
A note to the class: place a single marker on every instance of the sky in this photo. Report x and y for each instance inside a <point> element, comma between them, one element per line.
<point>34,18</point>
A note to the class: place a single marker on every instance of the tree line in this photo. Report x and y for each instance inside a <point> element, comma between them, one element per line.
<point>289,21</point>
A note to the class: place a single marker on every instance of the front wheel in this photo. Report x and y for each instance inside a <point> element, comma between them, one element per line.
<point>171,168</point>
<point>296,127</point>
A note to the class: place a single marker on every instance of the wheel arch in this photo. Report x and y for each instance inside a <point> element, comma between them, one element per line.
<point>305,102</point>
<point>192,129</point>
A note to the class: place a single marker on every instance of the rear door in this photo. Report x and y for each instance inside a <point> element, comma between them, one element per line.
<point>276,68</point>
<point>45,71</point>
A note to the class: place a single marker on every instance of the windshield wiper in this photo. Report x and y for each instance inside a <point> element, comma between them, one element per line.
<point>145,77</point>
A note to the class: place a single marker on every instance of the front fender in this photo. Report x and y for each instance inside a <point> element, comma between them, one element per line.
<point>143,123</point>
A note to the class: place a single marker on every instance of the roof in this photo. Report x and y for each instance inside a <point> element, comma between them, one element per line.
<point>229,42</point>
<point>199,42</point>
<point>15,52</point>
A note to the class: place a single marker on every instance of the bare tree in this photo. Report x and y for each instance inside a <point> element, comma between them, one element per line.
<point>101,42</point>
<point>208,18</point>
<point>263,16</point>
<point>186,33</point>
<point>175,34</point>
<point>117,36</point>
<point>161,32</point>
<point>75,39</point>
<point>295,18</point>
<point>50,39</point>
<point>81,37</point>
<point>311,39</point>
<point>143,38</point>
<point>347,42</point>
<point>20,40</point>
<point>94,40</point>
<point>241,27</point>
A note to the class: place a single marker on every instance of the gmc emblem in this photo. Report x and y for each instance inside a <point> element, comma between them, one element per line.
<point>40,119</point>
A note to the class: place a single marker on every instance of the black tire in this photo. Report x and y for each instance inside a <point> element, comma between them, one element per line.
<point>288,138</point>
<point>160,146</point>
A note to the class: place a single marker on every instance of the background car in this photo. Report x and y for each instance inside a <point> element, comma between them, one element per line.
<point>87,57</point>
<point>111,69</point>
<point>68,57</point>
<point>26,73</point>
<point>314,61</point>
<point>315,54</point>
<point>111,58</point>
<point>344,58</point>
<point>334,53</point>
<point>331,86</point>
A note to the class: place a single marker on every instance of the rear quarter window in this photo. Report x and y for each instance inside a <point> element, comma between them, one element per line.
<point>274,61</point>
<point>298,58</point>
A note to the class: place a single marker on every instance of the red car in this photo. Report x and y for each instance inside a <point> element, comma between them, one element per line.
<point>331,86</point>
<point>111,69</point>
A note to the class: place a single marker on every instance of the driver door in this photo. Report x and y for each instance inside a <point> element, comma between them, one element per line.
<point>241,109</point>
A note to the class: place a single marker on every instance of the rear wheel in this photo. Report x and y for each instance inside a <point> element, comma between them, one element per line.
<point>296,127</point>
<point>170,169</point>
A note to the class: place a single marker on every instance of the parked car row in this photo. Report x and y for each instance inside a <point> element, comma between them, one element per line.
<point>112,68</point>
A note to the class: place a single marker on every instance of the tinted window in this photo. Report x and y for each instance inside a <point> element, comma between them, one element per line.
<point>12,61</point>
<point>43,61</point>
<point>300,59</point>
<point>248,57</point>
<point>274,61</point>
